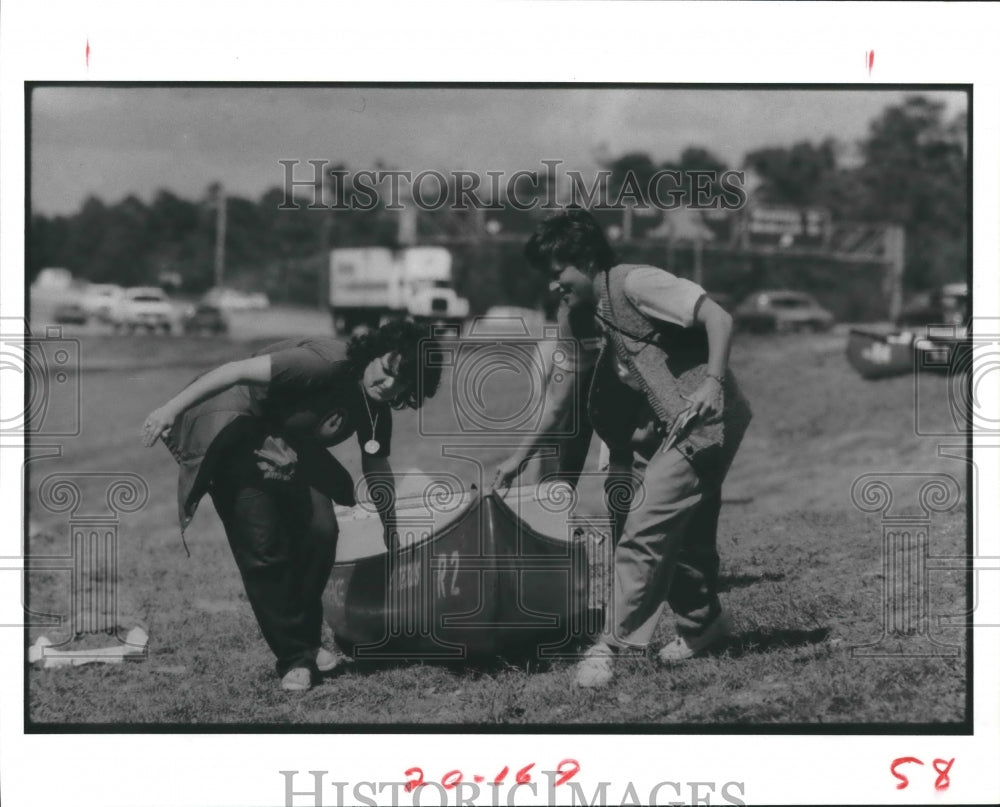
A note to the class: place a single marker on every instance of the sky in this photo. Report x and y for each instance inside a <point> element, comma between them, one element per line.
<point>110,142</point>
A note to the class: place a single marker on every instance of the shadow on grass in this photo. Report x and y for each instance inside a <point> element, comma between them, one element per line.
<point>472,666</point>
<point>727,582</point>
<point>765,639</point>
<point>525,660</point>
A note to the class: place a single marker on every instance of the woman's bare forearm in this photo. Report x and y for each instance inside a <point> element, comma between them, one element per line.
<point>249,371</point>
<point>256,370</point>
<point>719,328</point>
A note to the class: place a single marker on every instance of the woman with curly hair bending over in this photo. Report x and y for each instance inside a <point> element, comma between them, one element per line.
<point>254,433</point>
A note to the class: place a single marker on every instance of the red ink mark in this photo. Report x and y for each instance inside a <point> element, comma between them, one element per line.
<point>871,61</point>
<point>943,780</point>
<point>903,781</point>
<point>523,777</point>
<point>87,53</point>
<point>567,769</point>
<point>415,783</point>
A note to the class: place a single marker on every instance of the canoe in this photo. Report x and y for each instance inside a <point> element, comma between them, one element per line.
<point>880,355</point>
<point>477,576</point>
<point>877,354</point>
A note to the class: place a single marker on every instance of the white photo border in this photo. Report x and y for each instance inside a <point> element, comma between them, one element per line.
<point>551,42</point>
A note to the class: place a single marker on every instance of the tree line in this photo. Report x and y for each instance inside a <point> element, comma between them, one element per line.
<point>912,168</point>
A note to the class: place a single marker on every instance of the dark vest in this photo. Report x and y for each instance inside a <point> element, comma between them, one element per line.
<point>668,361</point>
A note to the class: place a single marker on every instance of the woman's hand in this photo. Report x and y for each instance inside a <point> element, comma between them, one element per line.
<point>277,459</point>
<point>157,425</point>
<point>706,401</point>
<point>508,470</point>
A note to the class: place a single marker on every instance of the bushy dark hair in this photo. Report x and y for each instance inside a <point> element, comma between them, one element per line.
<point>572,237</point>
<point>414,344</point>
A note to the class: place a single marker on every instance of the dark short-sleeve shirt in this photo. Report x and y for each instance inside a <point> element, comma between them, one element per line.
<point>311,380</point>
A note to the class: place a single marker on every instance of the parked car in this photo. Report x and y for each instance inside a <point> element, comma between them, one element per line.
<point>52,279</point>
<point>781,310</point>
<point>234,300</point>
<point>145,307</point>
<point>508,321</point>
<point>205,319</point>
<point>947,305</point>
<point>100,300</point>
<point>70,314</point>
<point>724,300</point>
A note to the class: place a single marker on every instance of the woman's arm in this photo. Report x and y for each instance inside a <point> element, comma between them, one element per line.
<point>325,473</point>
<point>382,492</point>
<point>558,402</point>
<point>255,370</point>
<point>719,327</point>
<point>718,324</point>
<point>660,295</point>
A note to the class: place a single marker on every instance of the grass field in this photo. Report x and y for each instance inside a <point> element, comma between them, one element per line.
<point>802,571</point>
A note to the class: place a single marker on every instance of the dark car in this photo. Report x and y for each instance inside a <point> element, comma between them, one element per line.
<point>781,310</point>
<point>947,305</point>
<point>725,301</point>
<point>205,318</point>
<point>70,314</point>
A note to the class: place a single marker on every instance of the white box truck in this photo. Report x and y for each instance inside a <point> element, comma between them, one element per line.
<point>372,285</point>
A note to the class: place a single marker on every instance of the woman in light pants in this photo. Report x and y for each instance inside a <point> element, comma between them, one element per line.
<point>661,389</point>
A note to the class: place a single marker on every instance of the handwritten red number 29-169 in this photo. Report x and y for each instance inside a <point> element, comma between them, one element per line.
<point>566,769</point>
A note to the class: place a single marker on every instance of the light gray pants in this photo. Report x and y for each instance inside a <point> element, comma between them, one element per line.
<point>666,553</point>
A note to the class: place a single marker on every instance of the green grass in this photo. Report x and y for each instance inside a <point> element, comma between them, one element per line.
<point>802,573</point>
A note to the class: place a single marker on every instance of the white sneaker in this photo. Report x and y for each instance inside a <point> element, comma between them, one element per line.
<point>297,679</point>
<point>681,649</point>
<point>597,667</point>
<point>327,660</point>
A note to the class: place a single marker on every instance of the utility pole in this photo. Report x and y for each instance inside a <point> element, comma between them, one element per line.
<point>323,269</point>
<point>220,234</point>
<point>895,248</point>
<point>406,229</point>
<point>698,270</point>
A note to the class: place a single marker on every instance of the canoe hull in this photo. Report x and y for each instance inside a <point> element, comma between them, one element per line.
<point>876,355</point>
<point>883,355</point>
<point>487,584</point>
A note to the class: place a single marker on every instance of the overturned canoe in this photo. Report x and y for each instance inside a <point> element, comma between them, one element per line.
<point>877,354</point>
<point>483,581</point>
